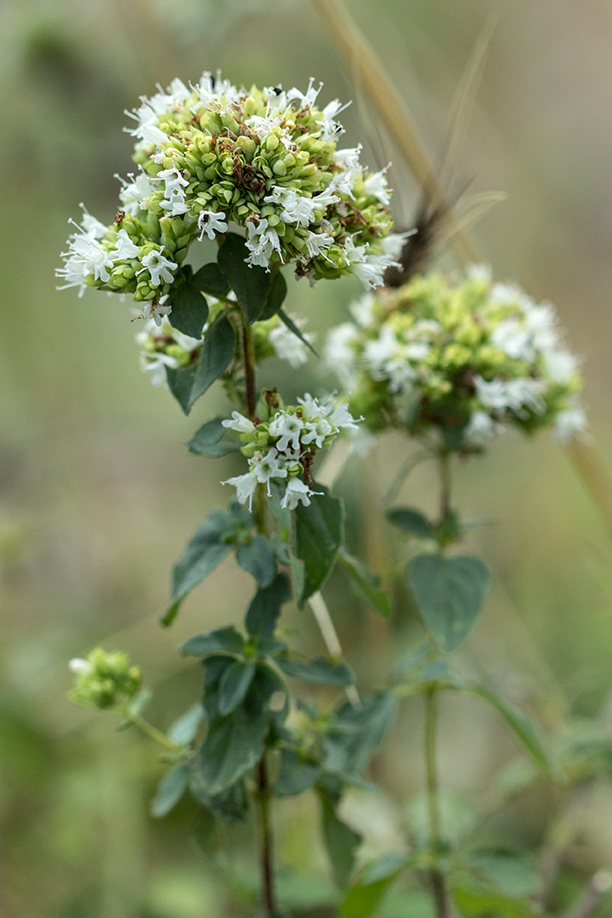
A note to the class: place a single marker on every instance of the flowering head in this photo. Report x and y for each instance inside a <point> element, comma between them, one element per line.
<point>281,445</point>
<point>211,156</point>
<point>464,358</point>
<point>104,680</point>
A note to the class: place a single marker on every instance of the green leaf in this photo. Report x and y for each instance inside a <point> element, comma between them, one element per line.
<point>411,521</point>
<point>265,607</point>
<point>206,440</point>
<point>189,309</point>
<point>317,539</point>
<point>296,774</point>
<point>211,279</point>
<point>206,549</point>
<point>340,840</point>
<point>321,671</point>
<point>180,383</point>
<point>258,559</point>
<point>288,321</point>
<point>475,902</point>
<point>372,883</point>
<point>170,790</point>
<point>449,593</point>
<point>232,806</point>
<point>185,728</point>
<point>275,297</point>
<point>234,685</point>
<point>366,584</point>
<point>519,722</point>
<point>250,283</point>
<point>356,733</point>
<point>233,746</point>
<point>217,352</point>
<point>510,873</point>
<point>223,639</point>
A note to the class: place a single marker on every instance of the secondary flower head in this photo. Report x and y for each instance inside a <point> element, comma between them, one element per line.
<point>265,161</point>
<point>104,680</point>
<point>464,357</point>
<point>281,448</point>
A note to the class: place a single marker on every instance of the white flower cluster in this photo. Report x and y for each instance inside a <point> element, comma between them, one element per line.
<point>281,450</point>
<point>474,354</point>
<point>211,157</point>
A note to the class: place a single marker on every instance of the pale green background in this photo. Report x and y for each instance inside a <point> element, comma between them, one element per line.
<point>98,493</point>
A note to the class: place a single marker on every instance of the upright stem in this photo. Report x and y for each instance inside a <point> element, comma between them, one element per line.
<point>436,877</point>
<point>266,847</point>
<point>248,362</point>
<point>445,484</point>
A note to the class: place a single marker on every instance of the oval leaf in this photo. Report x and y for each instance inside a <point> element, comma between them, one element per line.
<point>189,309</point>
<point>217,352</point>
<point>170,790</point>
<point>250,283</point>
<point>265,607</point>
<point>275,297</point>
<point>449,593</point>
<point>234,685</point>
<point>211,279</point>
<point>258,559</point>
<point>322,671</point>
<point>317,539</point>
<point>411,521</point>
<point>206,440</point>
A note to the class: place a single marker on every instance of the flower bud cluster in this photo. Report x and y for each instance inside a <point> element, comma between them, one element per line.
<point>104,680</point>
<point>280,449</point>
<point>265,160</point>
<point>464,357</point>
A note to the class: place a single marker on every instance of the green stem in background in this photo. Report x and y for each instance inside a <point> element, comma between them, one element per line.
<point>153,733</point>
<point>436,877</point>
<point>266,846</point>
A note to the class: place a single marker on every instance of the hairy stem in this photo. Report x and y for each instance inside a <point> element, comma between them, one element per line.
<point>436,877</point>
<point>445,484</point>
<point>266,846</point>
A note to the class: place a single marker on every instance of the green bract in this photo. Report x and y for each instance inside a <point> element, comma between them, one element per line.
<point>461,357</point>
<point>265,160</point>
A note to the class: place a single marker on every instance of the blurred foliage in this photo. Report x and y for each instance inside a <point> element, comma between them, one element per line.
<point>97,492</point>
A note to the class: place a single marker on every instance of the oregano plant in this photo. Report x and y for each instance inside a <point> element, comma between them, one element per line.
<point>448,361</point>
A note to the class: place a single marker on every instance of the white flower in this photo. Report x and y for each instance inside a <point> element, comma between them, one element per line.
<point>514,339</point>
<point>307,98</point>
<point>80,667</point>
<point>262,242</point>
<point>481,429</point>
<point>239,423</point>
<point>570,422</point>
<point>376,184</point>
<point>339,353</point>
<point>124,247</point>
<point>297,209</point>
<point>330,128</point>
<point>295,493</point>
<point>245,487</point>
<point>560,366</point>
<point>159,268</point>
<point>288,428</point>
<point>269,466</point>
<point>480,273</point>
<point>316,432</point>
<point>512,395</point>
<point>287,345</point>
<point>316,243</point>
<point>91,226</point>
<point>133,195</point>
<point>156,309</point>
<point>342,418</point>
<point>211,222</point>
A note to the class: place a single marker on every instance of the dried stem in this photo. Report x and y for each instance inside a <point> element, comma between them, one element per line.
<point>332,641</point>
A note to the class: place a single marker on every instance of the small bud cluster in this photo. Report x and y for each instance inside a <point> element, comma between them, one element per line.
<point>162,345</point>
<point>265,160</point>
<point>465,358</point>
<point>281,448</point>
<point>104,680</point>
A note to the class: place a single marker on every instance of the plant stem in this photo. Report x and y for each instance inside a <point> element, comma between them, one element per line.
<point>332,641</point>
<point>248,362</point>
<point>155,734</point>
<point>266,847</point>
<point>436,877</point>
<point>445,484</point>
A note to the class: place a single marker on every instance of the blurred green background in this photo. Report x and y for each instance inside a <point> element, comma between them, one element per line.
<point>98,493</point>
